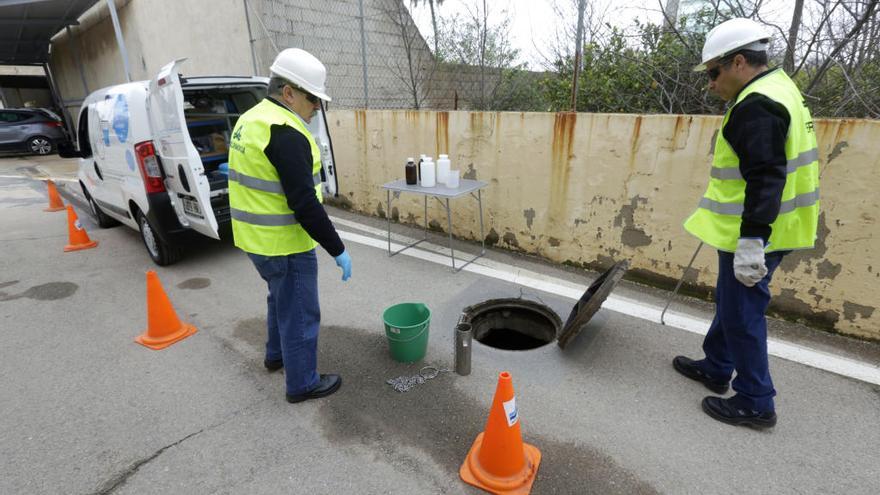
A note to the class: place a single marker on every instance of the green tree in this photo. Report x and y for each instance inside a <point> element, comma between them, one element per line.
<point>478,56</point>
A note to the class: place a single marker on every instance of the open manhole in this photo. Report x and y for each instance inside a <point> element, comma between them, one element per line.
<point>521,324</point>
<point>512,324</point>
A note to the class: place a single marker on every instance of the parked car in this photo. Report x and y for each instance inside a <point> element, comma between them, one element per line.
<point>153,155</point>
<point>32,130</point>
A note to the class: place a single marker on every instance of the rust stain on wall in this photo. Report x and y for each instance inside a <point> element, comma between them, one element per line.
<point>476,120</point>
<point>637,131</point>
<point>360,122</point>
<point>563,142</point>
<point>844,130</point>
<point>441,139</point>
<point>681,131</point>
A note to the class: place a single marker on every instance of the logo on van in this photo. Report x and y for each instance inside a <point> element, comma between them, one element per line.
<point>129,158</point>
<point>120,118</point>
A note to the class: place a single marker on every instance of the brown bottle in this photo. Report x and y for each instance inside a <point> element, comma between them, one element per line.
<point>411,173</point>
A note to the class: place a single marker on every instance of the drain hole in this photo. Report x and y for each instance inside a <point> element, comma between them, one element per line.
<point>513,324</point>
<point>510,339</point>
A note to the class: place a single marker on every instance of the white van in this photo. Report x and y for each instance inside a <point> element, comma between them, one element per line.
<point>152,155</point>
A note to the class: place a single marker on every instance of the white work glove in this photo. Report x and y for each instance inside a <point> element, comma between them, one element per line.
<point>748,261</point>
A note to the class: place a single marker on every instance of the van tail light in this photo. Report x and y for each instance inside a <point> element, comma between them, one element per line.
<point>148,162</point>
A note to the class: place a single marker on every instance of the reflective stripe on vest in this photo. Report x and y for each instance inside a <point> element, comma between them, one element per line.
<point>803,200</point>
<point>262,221</point>
<point>802,160</point>
<point>265,220</point>
<point>263,185</point>
<point>718,218</point>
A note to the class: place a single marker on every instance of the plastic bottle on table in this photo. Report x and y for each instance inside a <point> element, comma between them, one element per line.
<point>429,173</point>
<point>443,165</point>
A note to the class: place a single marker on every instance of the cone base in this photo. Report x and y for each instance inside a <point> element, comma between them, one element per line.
<point>521,483</point>
<point>56,208</point>
<point>163,342</point>
<point>79,247</point>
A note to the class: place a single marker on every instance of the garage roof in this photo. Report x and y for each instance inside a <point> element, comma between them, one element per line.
<point>26,26</point>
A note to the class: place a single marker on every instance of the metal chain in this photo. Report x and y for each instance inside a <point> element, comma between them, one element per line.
<point>406,383</point>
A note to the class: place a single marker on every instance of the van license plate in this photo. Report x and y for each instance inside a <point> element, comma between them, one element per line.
<point>191,207</point>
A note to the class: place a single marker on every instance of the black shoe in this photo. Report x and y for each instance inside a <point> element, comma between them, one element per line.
<point>326,386</point>
<point>686,367</point>
<point>273,364</point>
<point>726,411</point>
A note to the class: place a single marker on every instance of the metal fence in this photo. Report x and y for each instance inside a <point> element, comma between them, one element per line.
<point>374,53</point>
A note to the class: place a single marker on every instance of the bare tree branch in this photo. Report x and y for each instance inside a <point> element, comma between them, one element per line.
<point>788,61</point>
<point>854,31</point>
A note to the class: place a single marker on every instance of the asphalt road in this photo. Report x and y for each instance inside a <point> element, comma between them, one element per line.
<point>84,409</point>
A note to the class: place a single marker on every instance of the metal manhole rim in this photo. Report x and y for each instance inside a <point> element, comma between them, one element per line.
<point>474,312</point>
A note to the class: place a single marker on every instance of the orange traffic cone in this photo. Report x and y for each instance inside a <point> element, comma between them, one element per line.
<point>499,461</point>
<point>76,233</point>
<point>163,326</point>
<point>55,203</point>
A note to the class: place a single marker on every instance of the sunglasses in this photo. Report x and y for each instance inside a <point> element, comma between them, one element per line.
<point>714,72</point>
<point>310,97</point>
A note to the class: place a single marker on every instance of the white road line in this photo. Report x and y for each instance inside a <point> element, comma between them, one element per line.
<point>436,254</point>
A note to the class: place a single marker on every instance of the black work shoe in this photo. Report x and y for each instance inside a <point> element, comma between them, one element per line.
<point>273,364</point>
<point>726,411</point>
<point>688,368</point>
<point>326,386</point>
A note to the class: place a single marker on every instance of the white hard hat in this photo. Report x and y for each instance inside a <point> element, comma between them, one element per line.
<point>729,36</point>
<point>303,69</point>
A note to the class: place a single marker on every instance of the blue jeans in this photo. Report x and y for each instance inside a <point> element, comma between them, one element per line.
<point>737,338</point>
<point>294,316</point>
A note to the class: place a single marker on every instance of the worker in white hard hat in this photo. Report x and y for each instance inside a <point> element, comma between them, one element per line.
<point>762,202</point>
<point>278,219</point>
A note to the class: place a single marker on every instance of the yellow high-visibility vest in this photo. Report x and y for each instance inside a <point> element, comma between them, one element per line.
<point>718,217</point>
<point>262,223</point>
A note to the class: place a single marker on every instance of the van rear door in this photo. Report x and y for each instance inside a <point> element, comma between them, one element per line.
<point>185,178</point>
<point>321,133</point>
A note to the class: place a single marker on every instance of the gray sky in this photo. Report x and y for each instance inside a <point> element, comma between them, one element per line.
<point>534,22</point>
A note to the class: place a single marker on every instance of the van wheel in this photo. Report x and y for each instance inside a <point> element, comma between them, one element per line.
<point>104,221</point>
<point>40,145</point>
<point>162,253</point>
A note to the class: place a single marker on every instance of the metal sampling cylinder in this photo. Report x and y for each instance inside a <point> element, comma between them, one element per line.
<point>463,337</point>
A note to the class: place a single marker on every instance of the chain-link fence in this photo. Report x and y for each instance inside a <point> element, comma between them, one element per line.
<point>377,58</point>
<point>375,55</point>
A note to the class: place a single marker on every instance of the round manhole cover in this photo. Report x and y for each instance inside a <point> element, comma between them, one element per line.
<point>591,301</point>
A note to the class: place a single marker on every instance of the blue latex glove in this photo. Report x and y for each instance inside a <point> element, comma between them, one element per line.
<point>344,261</point>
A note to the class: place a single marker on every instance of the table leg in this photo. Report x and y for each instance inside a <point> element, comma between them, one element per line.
<point>482,235</point>
<point>404,248</point>
<point>388,203</point>
<point>449,226</point>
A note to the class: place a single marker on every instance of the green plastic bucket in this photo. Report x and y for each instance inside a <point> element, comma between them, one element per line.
<point>406,327</point>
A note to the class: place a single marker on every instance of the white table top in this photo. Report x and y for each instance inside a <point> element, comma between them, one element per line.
<point>465,186</point>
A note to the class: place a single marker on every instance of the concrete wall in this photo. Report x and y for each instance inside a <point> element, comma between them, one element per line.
<point>211,34</point>
<point>589,189</point>
<point>331,31</point>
